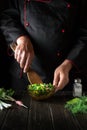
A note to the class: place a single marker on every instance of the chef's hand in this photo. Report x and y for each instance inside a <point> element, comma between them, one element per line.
<point>24,52</point>
<point>61,75</point>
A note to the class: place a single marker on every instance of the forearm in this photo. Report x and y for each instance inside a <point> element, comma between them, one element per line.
<point>67,64</point>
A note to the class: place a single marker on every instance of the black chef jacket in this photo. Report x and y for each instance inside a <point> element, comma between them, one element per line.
<point>57,29</point>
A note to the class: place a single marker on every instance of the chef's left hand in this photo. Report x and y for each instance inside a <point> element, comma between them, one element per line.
<point>61,75</point>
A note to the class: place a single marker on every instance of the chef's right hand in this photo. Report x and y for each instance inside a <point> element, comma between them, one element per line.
<point>24,52</point>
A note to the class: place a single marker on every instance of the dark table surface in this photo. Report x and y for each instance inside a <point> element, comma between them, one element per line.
<point>42,115</point>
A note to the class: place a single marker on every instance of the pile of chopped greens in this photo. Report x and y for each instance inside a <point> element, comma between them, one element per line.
<point>77,105</point>
<point>5,95</point>
<point>40,89</point>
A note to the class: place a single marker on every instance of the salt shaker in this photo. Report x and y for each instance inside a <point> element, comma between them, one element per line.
<point>77,88</point>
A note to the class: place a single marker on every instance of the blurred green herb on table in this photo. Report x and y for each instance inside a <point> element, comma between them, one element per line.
<point>77,105</point>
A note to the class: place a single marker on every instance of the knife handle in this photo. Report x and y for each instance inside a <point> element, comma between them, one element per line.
<point>13,46</point>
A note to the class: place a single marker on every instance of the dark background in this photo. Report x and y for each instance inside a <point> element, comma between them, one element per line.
<point>3,54</point>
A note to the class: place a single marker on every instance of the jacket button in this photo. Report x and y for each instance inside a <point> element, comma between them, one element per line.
<point>68,5</point>
<point>26,24</point>
<point>63,30</point>
<point>58,54</point>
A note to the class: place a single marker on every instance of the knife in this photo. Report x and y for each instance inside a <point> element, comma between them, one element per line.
<point>32,76</point>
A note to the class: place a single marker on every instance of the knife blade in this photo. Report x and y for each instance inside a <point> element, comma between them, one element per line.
<point>32,76</point>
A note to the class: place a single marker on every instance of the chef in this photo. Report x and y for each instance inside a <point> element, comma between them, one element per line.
<point>51,38</point>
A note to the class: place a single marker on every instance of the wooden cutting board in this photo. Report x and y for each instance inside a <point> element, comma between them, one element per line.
<point>33,77</point>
